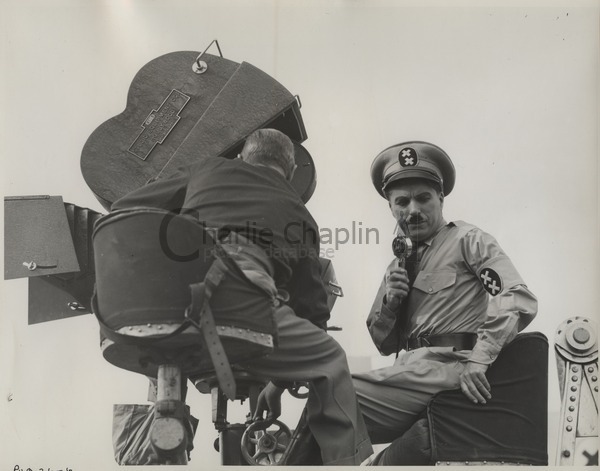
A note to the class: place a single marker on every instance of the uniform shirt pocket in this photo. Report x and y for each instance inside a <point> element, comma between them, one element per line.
<point>431,283</point>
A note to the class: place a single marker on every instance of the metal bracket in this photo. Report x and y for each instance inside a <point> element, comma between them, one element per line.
<point>336,289</point>
<point>31,266</point>
<point>168,434</point>
<point>576,346</point>
<point>199,67</point>
<point>75,306</point>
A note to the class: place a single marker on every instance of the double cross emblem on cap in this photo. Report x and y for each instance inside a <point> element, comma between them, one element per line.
<point>408,157</point>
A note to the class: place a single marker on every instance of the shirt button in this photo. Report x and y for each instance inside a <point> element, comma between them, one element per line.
<point>430,290</point>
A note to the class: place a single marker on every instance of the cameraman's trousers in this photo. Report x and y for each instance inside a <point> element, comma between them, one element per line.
<point>307,353</point>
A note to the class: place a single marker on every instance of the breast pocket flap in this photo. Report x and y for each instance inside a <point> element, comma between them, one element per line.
<point>431,283</point>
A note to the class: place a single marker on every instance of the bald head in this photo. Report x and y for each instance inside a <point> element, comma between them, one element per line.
<point>270,148</point>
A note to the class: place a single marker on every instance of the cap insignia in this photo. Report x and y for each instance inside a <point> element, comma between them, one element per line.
<point>408,157</point>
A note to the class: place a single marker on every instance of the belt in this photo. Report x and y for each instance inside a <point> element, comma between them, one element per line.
<point>458,341</point>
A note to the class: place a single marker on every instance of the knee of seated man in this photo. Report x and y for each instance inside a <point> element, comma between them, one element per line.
<point>411,449</point>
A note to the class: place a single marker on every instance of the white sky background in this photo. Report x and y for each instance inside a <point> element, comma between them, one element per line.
<point>510,92</point>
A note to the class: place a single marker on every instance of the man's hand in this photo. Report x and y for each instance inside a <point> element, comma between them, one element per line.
<point>396,287</point>
<point>269,401</point>
<point>474,384</point>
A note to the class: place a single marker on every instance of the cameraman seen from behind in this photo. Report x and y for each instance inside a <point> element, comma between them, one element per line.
<point>447,313</point>
<point>251,199</point>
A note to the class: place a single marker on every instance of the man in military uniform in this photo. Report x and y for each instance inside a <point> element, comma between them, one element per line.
<point>448,313</point>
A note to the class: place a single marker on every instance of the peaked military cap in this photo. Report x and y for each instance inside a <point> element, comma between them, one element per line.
<point>413,159</point>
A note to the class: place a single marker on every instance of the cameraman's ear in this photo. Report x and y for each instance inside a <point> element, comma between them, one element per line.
<point>291,175</point>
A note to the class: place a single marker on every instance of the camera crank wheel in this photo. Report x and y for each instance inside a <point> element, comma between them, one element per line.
<point>263,446</point>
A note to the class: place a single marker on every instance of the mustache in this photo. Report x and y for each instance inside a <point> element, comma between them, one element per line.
<point>415,219</point>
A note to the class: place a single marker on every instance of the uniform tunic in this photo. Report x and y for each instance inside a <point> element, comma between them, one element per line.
<point>258,203</point>
<point>465,284</point>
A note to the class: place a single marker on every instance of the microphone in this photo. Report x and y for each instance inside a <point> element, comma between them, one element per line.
<point>401,245</point>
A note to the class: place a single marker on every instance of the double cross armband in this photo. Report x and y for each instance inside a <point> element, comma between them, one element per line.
<point>491,281</point>
<point>497,275</point>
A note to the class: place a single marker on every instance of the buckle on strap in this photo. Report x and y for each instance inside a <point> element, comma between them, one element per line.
<point>418,342</point>
<point>200,314</point>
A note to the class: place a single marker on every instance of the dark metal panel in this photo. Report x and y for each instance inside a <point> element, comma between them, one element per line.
<point>37,237</point>
<point>51,298</point>
<point>176,115</point>
<point>249,101</point>
<point>113,160</point>
<point>66,295</point>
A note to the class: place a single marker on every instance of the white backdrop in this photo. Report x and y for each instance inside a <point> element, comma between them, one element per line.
<point>507,88</point>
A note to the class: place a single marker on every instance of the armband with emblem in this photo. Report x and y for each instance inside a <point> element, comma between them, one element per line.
<point>498,275</point>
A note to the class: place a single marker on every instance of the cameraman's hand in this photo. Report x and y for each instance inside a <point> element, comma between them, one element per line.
<point>396,287</point>
<point>269,401</point>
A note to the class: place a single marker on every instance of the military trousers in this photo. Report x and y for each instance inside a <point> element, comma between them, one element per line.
<point>306,353</point>
<point>392,398</point>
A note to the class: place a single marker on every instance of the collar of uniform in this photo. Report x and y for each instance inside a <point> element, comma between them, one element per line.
<point>427,242</point>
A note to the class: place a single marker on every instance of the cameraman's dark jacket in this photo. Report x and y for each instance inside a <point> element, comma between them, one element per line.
<point>258,203</point>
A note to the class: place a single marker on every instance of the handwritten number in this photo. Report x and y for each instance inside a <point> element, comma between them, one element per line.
<point>18,468</point>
